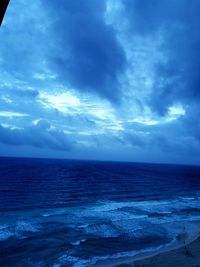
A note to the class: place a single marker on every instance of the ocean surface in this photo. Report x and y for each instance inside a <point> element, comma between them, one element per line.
<point>77,213</point>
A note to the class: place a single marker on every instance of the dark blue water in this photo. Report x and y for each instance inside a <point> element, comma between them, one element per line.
<point>75,213</point>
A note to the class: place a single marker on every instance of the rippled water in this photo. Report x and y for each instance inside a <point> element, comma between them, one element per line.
<point>73,213</point>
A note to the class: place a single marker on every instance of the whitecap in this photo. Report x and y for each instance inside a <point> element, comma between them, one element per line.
<point>17,229</point>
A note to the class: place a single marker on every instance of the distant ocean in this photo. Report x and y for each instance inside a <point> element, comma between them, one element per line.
<point>75,213</point>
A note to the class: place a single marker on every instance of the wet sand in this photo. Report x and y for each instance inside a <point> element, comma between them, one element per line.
<point>188,256</point>
<point>185,254</point>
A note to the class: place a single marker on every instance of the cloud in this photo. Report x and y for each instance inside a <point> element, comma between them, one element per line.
<point>85,52</point>
<point>16,93</point>
<point>10,114</point>
<point>158,140</point>
<point>21,53</point>
<point>177,24</point>
<point>140,57</point>
<point>39,135</point>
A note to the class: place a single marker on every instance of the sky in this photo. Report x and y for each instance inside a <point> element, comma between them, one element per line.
<point>101,79</point>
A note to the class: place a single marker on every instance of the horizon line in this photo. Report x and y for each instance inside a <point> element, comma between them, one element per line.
<point>100,160</point>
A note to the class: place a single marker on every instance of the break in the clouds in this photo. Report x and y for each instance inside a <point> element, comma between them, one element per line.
<point>106,79</point>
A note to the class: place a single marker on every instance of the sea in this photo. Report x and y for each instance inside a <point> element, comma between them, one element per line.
<point>78,213</point>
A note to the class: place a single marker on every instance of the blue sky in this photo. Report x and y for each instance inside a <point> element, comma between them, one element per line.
<point>105,80</point>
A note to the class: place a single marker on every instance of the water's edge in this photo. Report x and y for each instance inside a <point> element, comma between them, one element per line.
<point>192,234</point>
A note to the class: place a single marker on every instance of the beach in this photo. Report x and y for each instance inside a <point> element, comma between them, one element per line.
<point>185,255</point>
<point>181,257</point>
<point>183,252</point>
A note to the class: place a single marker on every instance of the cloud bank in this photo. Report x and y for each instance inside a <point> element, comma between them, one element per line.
<point>116,78</point>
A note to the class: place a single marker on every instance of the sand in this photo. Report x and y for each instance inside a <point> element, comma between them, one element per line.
<point>188,256</point>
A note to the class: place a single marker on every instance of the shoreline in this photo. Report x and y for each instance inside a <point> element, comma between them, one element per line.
<point>183,257</point>
<point>166,252</point>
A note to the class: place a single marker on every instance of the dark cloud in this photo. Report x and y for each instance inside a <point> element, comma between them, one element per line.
<point>21,52</point>
<point>192,121</point>
<point>39,135</point>
<point>84,49</point>
<point>177,77</point>
<point>160,141</point>
<point>149,16</point>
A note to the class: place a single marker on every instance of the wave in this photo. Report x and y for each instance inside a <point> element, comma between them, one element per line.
<point>74,261</point>
<point>78,242</point>
<point>113,210</point>
<point>102,230</point>
<point>112,219</point>
<point>191,228</point>
<point>17,230</point>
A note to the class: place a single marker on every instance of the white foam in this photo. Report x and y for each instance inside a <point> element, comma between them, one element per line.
<point>102,230</point>
<point>78,262</point>
<point>78,242</point>
<point>16,230</point>
<point>22,226</point>
<point>6,234</point>
<point>112,218</point>
<point>63,260</point>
